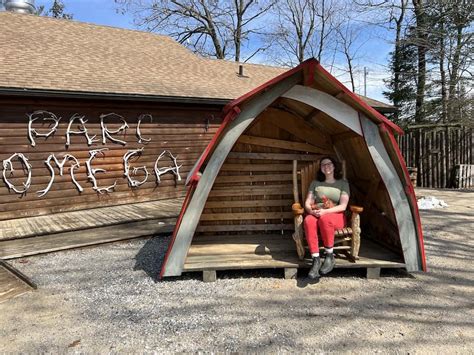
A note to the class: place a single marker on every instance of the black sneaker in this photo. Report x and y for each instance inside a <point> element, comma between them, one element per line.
<point>328,264</point>
<point>314,272</point>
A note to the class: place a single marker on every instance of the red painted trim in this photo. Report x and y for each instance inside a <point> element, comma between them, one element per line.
<point>311,71</point>
<point>176,227</point>
<point>378,116</point>
<point>266,85</point>
<point>410,191</point>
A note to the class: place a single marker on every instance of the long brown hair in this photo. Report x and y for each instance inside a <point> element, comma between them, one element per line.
<point>337,169</point>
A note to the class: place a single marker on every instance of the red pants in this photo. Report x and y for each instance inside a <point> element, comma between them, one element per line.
<point>326,224</point>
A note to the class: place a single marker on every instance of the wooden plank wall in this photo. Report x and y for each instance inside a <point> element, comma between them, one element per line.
<point>435,150</point>
<point>183,130</point>
<point>253,191</point>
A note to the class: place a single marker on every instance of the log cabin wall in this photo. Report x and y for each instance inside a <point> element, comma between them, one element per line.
<point>184,130</point>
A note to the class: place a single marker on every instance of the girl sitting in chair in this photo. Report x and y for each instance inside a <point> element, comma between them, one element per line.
<point>325,204</point>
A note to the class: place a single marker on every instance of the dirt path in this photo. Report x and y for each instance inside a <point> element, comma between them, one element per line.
<point>103,299</point>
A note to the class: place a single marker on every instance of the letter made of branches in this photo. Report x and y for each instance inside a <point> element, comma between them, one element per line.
<point>91,172</point>
<point>132,182</point>
<point>142,140</point>
<point>44,116</point>
<point>174,169</point>
<point>107,134</point>
<point>60,165</point>
<point>8,167</point>
<point>82,130</point>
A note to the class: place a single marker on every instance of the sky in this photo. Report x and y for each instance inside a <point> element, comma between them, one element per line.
<point>374,52</point>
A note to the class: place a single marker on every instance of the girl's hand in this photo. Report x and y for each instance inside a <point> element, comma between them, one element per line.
<point>319,213</point>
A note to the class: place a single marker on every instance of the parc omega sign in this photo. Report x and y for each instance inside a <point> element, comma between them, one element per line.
<point>77,126</point>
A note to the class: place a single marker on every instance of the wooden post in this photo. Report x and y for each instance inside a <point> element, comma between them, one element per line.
<point>291,272</point>
<point>355,225</point>
<point>209,275</point>
<point>298,214</point>
<point>373,273</point>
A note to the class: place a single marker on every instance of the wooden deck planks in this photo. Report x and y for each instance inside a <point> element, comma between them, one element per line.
<point>85,219</point>
<point>17,248</point>
<point>272,251</point>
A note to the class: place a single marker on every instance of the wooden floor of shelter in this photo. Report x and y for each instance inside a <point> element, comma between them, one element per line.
<point>273,251</point>
<point>34,235</point>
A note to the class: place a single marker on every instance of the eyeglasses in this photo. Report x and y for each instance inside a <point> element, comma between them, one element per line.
<point>326,164</point>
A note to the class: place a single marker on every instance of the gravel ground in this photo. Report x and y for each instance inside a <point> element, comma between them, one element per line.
<point>106,299</point>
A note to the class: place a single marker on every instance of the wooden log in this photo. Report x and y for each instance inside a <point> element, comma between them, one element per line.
<point>355,226</point>
<point>298,215</point>
<point>256,167</point>
<point>245,227</point>
<point>274,156</point>
<point>277,143</point>
<point>252,178</point>
<point>245,216</point>
<point>248,203</point>
<point>252,190</point>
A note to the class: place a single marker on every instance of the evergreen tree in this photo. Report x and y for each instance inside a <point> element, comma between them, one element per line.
<point>402,84</point>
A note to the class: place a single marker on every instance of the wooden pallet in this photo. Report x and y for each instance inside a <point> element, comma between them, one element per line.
<point>225,252</point>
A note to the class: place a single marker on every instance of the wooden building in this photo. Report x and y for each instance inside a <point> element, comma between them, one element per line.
<point>237,213</point>
<point>100,128</point>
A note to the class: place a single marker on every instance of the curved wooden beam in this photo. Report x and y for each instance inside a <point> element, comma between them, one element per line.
<point>331,106</point>
<point>250,110</point>
<point>398,197</point>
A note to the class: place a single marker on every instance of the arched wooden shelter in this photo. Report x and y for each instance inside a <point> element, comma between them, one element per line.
<point>237,212</point>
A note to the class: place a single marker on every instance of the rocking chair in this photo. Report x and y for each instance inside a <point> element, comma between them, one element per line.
<point>346,240</point>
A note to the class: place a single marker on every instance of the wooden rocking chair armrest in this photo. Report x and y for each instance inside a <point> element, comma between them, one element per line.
<point>356,209</point>
<point>297,209</point>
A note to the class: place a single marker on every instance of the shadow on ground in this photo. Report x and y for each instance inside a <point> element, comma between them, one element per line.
<point>150,257</point>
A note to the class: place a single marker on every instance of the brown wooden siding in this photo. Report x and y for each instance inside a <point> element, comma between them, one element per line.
<point>183,130</point>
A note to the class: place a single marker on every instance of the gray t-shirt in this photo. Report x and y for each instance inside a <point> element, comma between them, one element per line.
<point>332,191</point>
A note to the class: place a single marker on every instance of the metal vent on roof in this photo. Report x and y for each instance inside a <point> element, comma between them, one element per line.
<point>20,6</point>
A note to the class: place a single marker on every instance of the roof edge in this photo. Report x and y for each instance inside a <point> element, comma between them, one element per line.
<point>6,91</point>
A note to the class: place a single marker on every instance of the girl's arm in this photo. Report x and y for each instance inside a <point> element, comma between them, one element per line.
<point>341,207</point>
<point>308,202</point>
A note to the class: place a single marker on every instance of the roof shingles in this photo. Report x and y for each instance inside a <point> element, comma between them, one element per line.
<point>63,55</point>
<point>51,54</point>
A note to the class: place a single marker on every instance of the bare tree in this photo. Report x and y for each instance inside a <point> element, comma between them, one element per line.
<point>349,46</point>
<point>302,29</point>
<point>460,37</point>
<point>214,28</point>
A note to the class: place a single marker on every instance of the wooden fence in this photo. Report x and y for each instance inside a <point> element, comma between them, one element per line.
<point>438,151</point>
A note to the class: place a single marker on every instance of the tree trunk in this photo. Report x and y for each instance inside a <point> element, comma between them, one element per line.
<point>421,43</point>
<point>454,74</point>
<point>442,71</point>
<point>397,58</point>
<point>213,33</point>
<point>238,30</point>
